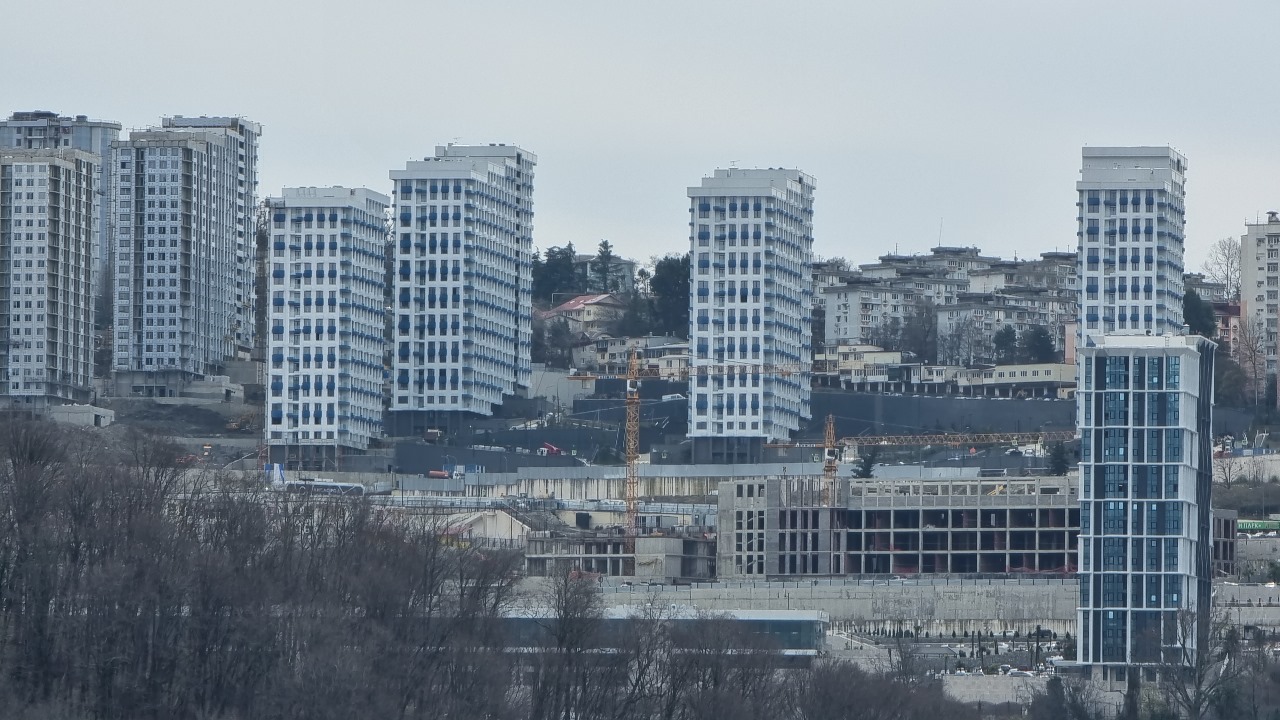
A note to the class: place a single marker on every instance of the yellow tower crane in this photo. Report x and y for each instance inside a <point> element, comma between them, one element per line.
<point>633,447</point>
<point>831,463</point>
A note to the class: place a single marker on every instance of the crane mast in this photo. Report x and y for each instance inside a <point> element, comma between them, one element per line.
<point>632,445</point>
<point>829,466</point>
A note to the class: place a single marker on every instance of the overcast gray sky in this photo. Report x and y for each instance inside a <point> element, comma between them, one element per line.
<point>909,114</point>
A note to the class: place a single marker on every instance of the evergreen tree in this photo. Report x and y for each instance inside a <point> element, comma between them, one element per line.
<point>1005,344</point>
<point>554,276</point>
<point>602,279</point>
<point>1198,315</point>
<point>1035,345</point>
<point>1058,463</point>
<point>867,462</point>
<point>669,288</point>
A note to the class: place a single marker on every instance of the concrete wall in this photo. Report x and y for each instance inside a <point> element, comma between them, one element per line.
<point>940,608</point>
<point>554,385</point>
<point>993,689</point>
<point>1246,468</point>
<point>84,415</point>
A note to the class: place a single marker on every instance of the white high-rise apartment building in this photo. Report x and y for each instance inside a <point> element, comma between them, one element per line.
<point>1256,345</point>
<point>245,135</point>
<point>182,219</point>
<point>48,225</point>
<point>1144,411</point>
<point>463,236</point>
<point>326,324</point>
<point>1130,210</point>
<point>38,129</point>
<point>750,302</point>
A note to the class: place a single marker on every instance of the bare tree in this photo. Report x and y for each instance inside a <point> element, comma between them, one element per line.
<point>1250,349</point>
<point>843,690</point>
<point>962,342</point>
<point>1202,663</point>
<point>1228,469</point>
<point>1223,265</point>
<point>1068,698</point>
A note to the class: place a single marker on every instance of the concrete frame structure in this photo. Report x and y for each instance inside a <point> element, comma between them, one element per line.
<point>327,325</point>
<point>48,226</point>
<point>778,527</point>
<point>657,558</point>
<point>463,274</point>
<point>751,301</point>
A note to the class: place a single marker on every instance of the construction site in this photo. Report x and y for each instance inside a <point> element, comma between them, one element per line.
<point>802,518</point>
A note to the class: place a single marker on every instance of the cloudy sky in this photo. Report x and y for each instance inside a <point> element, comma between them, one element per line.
<point>920,120</point>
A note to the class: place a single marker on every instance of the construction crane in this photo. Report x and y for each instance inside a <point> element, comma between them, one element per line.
<point>632,441</point>
<point>636,371</point>
<point>830,465</point>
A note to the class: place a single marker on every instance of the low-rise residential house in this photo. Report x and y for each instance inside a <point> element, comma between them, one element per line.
<point>588,314</point>
<point>1039,380</point>
<point>610,354</point>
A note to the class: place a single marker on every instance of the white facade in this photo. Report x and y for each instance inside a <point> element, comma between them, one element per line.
<point>860,306</point>
<point>245,135</point>
<point>326,323</point>
<point>463,235</point>
<point>42,129</point>
<point>48,226</point>
<point>1130,233</point>
<point>1260,288</point>
<point>182,227</point>
<point>751,299</point>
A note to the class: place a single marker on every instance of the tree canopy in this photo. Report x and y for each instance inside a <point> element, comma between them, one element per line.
<point>1005,345</point>
<point>669,295</point>
<point>1035,345</point>
<point>1198,315</point>
<point>555,277</point>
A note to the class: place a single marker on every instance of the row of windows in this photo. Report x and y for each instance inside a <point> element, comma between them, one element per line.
<point>1153,446</point>
<point>1114,372</point>
<point>1150,518</point>
<point>1118,590</point>
<point>1114,480</point>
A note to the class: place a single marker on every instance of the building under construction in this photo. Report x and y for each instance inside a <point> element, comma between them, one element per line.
<point>780,526</point>
<point>666,556</point>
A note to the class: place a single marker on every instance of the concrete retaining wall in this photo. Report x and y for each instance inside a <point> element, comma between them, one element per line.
<point>939,609</point>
